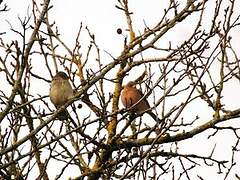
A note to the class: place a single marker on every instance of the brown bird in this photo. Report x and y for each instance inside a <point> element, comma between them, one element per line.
<point>133,98</point>
<point>60,92</point>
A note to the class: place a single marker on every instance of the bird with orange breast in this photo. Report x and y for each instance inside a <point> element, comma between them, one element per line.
<point>134,99</point>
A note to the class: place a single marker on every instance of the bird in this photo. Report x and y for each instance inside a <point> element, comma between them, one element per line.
<point>133,98</point>
<point>60,92</point>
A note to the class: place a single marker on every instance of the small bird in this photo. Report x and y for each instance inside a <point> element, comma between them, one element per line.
<point>133,98</point>
<point>60,92</point>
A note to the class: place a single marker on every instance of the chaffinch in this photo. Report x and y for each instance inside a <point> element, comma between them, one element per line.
<point>60,92</point>
<point>133,98</point>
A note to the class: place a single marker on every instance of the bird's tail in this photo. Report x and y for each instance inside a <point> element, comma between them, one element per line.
<point>63,115</point>
<point>154,116</point>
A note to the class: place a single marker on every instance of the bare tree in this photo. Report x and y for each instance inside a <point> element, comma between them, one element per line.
<point>187,85</point>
